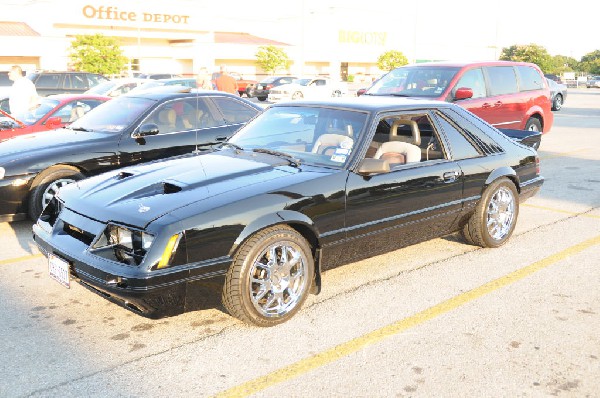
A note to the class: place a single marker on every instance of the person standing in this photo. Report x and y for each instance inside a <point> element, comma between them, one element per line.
<point>23,95</point>
<point>203,80</point>
<point>225,82</point>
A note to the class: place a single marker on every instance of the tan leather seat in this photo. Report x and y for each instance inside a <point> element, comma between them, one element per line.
<point>399,152</point>
<point>167,120</point>
<point>327,143</point>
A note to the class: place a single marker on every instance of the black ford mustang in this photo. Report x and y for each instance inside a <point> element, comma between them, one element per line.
<point>304,187</point>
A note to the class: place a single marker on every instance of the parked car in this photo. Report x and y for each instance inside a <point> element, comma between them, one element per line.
<point>126,130</point>
<point>116,87</point>
<point>153,83</point>
<point>52,112</point>
<point>558,94</point>
<point>50,82</point>
<point>156,76</point>
<point>552,77</point>
<point>317,88</point>
<point>593,82</point>
<point>302,188</point>
<point>506,94</point>
<point>261,91</point>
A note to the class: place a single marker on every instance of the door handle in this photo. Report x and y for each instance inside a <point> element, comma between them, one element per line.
<point>486,105</point>
<point>450,176</point>
<point>497,104</point>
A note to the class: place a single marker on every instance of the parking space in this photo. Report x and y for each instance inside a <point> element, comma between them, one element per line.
<point>441,318</point>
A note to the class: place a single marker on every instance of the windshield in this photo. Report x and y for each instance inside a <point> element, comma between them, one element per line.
<point>312,135</point>
<point>45,106</point>
<point>113,116</point>
<point>302,82</point>
<point>414,81</point>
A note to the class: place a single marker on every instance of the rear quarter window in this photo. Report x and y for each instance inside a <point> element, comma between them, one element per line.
<point>234,111</point>
<point>529,78</point>
<point>502,80</point>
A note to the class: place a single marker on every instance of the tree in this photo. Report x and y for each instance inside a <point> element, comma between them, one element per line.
<point>562,63</point>
<point>590,63</point>
<point>97,54</point>
<point>271,58</point>
<point>528,53</point>
<point>390,60</point>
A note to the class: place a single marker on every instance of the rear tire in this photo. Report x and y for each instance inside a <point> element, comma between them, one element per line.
<point>495,216</point>
<point>46,184</point>
<point>533,124</point>
<point>557,103</point>
<point>270,277</point>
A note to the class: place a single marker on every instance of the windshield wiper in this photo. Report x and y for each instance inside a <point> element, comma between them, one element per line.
<point>78,129</point>
<point>293,161</point>
<point>231,144</point>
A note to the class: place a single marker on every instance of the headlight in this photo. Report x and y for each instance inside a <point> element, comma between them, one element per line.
<point>122,244</point>
<point>2,172</point>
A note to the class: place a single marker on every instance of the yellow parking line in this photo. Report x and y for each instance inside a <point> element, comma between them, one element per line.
<point>345,349</point>
<point>18,259</point>
<point>560,211</point>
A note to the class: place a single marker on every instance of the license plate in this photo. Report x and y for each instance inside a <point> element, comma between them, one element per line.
<point>59,270</point>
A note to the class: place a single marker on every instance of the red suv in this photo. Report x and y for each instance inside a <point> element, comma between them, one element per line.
<point>508,95</point>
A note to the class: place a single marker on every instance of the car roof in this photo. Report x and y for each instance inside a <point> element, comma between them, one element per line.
<point>460,64</point>
<point>77,96</point>
<point>371,103</point>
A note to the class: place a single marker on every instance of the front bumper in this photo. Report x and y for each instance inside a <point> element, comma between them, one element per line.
<point>154,294</point>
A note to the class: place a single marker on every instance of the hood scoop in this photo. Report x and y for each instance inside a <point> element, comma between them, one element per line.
<point>170,188</point>
<point>123,175</point>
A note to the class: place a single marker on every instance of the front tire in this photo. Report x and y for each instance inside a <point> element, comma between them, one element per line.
<point>495,216</point>
<point>270,277</point>
<point>47,184</point>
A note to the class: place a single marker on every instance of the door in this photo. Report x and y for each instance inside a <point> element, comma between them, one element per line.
<point>415,201</point>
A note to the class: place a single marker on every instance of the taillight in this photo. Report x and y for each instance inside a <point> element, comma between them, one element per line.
<point>537,165</point>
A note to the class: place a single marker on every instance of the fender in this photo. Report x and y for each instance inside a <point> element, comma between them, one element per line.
<point>504,171</point>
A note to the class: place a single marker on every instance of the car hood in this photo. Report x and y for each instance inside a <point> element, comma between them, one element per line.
<point>36,151</point>
<point>137,195</point>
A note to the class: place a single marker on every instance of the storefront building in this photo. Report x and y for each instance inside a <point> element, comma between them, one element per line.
<point>182,37</point>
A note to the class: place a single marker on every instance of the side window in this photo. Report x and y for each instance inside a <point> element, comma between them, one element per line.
<point>461,147</point>
<point>474,80</point>
<point>234,112</point>
<point>469,129</point>
<point>75,81</point>
<point>169,117</point>
<point>502,80</point>
<point>405,139</point>
<point>529,78</point>
<point>48,80</point>
<point>94,80</point>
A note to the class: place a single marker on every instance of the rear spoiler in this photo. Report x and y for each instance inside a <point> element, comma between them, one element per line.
<point>532,139</point>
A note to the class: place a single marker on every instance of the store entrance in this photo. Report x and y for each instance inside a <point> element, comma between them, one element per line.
<point>344,71</point>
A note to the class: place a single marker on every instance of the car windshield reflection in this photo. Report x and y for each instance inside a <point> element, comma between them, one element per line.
<point>113,116</point>
<point>414,81</point>
<point>315,136</point>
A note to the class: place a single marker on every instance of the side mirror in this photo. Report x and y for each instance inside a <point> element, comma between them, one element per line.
<point>146,130</point>
<point>373,166</point>
<point>53,122</point>
<point>463,93</point>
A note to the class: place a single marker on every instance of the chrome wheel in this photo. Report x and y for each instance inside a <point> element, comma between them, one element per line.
<point>278,278</point>
<point>53,188</point>
<point>500,213</point>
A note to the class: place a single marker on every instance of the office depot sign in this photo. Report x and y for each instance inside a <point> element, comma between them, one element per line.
<point>110,13</point>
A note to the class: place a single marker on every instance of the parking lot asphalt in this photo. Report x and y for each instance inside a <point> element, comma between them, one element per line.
<point>441,318</point>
